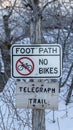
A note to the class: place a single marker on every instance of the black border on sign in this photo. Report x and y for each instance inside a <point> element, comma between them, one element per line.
<point>37,45</point>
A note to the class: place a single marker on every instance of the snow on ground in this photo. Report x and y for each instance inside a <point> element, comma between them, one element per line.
<point>62,119</point>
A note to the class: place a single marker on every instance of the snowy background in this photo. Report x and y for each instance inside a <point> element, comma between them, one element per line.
<point>57,28</point>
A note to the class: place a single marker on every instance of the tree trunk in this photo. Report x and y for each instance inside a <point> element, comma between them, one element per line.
<point>69,93</point>
<point>38,116</point>
<point>38,119</point>
<point>5,50</point>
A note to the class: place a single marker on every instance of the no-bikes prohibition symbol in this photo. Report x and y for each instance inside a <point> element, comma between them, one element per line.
<point>24,66</point>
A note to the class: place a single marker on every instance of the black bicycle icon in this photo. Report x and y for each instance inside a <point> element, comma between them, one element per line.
<point>26,66</point>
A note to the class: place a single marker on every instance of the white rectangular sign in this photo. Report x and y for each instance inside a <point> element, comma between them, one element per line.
<point>36,61</point>
<point>37,95</point>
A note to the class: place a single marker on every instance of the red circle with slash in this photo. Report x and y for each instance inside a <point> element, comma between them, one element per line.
<point>24,66</point>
